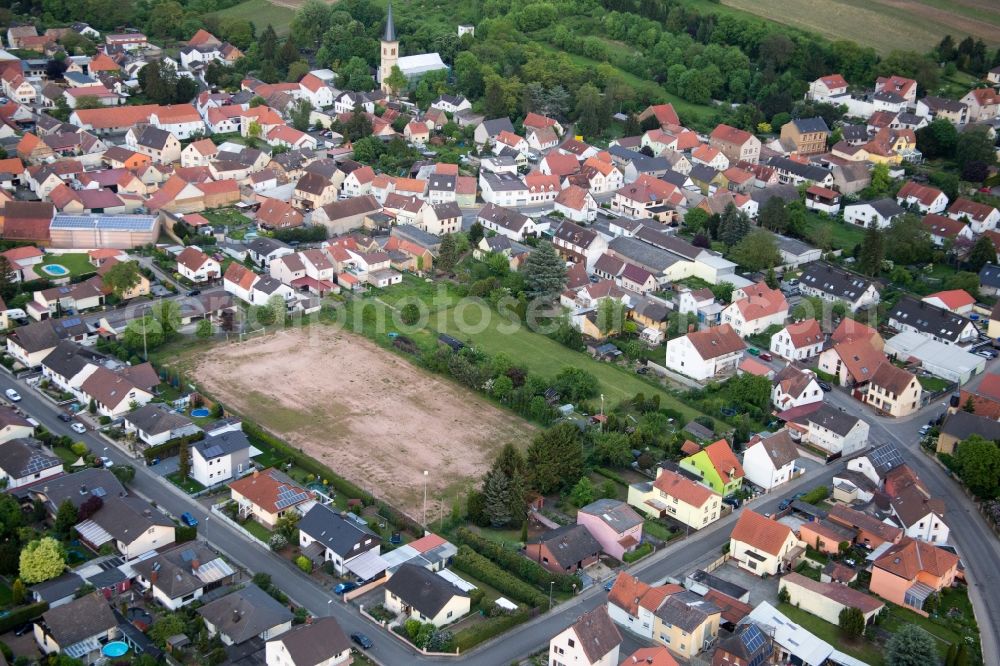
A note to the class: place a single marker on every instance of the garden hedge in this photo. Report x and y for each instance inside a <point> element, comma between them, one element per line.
<point>172,447</point>
<point>469,638</point>
<point>19,616</point>
<point>477,566</point>
<point>516,563</point>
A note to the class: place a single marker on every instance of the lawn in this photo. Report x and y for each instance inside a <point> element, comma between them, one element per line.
<point>189,486</point>
<point>260,13</point>
<point>863,650</point>
<point>843,236</point>
<point>934,384</point>
<point>541,355</point>
<point>229,217</point>
<point>258,530</point>
<point>77,263</point>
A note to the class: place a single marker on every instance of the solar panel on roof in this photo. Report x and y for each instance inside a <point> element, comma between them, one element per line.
<point>72,321</point>
<point>38,462</point>
<point>287,496</point>
<point>187,555</point>
<point>752,638</point>
<point>98,492</point>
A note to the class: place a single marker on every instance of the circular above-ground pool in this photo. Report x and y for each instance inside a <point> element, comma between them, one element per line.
<point>115,649</point>
<point>200,412</point>
<point>55,270</point>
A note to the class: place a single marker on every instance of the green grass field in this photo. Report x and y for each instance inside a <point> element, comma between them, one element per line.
<point>260,13</point>
<point>863,650</point>
<point>546,357</point>
<point>906,25</point>
<point>77,263</point>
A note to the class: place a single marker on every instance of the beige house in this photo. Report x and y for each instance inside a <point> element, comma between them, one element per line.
<point>677,497</point>
<point>827,600</point>
<point>161,146</point>
<point>420,594</point>
<point>321,643</point>
<point>79,628</point>
<point>763,546</point>
<point>13,425</point>
<point>686,624</point>
<point>736,144</point>
<point>894,391</point>
<point>267,496</point>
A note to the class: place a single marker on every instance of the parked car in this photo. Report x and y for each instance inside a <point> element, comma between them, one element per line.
<point>753,351</point>
<point>610,584</point>
<point>924,430</point>
<point>106,461</point>
<point>825,386</point>
<point>64,417</point>
<point>22,629</point>
<point>78,428</point>
<point>731,501</point>
<point>784,504</point>
<point>361,640</point>
<point>188,519</point>
<point>341,588</point>
<point>12,395</point>
<point>765,356</point>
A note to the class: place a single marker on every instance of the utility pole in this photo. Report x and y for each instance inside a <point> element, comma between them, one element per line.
<point>424,521</point>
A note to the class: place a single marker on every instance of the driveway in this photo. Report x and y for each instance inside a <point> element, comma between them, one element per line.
<point>761,589</point>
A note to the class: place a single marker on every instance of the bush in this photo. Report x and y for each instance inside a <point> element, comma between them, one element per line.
<point>21,615</point>
<point>304,563</point>
<point>477,566</point>
<point>516,563</point>
<point>172,447</point>
<point>183,533</point>
<point>816,495</point>
<point>278,541</point>
<point>79,448</point>
<point>639,553</point>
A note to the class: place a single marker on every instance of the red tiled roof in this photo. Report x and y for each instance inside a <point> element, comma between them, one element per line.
<point>263,489</point>
<point>760,532</point>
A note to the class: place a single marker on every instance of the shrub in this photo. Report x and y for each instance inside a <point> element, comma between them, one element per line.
<point>278,541</point>
<point>172,447</point>
<point>477,566</point>
<point>816,495</point>
<point>639,553</point>
<point>21,615</point>
<point>516,563</point>
<point>79,448</point>
<point>304,563</point>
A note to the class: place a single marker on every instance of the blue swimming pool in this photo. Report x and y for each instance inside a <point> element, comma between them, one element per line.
<point>200,412</point>
<point>56,270</point>
<point>115,649</point>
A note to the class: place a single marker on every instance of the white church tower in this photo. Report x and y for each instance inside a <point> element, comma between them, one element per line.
<point>390,51</point>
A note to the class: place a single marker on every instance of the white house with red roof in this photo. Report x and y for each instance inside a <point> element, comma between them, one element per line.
<point>763,546</point>
<point>316,90</point>
<point>898,85</point>
<point>576,204</point>
<point>795,388</point>
<point>706,354</point>
<point>825,87</point>
<point>710,157</point>
<point>664,114</point>
<point>799,341</point>
<point>417,133</point>
<point>955,300</point>
<point>926,198</point>
<point>981,217</point>
<point>289,137</point>
<point>755,308</point>
<point>197,266</point>
<point>983,103</point>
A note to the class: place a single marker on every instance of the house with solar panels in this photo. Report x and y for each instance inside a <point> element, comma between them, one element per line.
<point>182,574</point>
<point>748,646</point>
<point>220,457</point>
<point>25,461</point>
<point>120,232</point>
<point>268,495</point>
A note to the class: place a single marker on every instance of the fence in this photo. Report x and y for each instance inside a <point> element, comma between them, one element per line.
<point>217,510</point>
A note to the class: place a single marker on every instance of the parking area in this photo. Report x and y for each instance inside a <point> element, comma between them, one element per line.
<point>167,466</point>
<point>761,589</point>
<point>22,646</point>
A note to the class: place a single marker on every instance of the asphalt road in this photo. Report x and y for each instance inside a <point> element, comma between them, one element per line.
<point>976,543</point>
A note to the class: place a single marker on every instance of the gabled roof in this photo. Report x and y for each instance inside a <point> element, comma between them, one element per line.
<point>835,281</point>
<point>779,447</point>
<point>245,613</point>
<point>334,531</point>
<point>568,544</point>
<point>422,589</point>
<point>271,490</point>
<point>683,488</point>
<point>929,319</point>
<point>80,619</point>
<point>716,341</point>
<point>21,458</point>
<point>315,643</point>
<point>597,633</point>
<point>725,462</point>
<point>760,532</point>
<point>910,557</point>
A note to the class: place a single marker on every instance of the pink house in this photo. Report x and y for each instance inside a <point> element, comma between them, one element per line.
<point>614,524</point>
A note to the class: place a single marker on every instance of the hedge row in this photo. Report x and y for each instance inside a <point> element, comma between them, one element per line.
<point>172,447</point>
<point>614,476</point>
<point>399,519</point>
<point>816,495</point>
<point>19,616</point>
<point>516,563</point>
<point>341,485</point>
<point>477,566</point>
<point>639,553</point>
<point>473,636</point>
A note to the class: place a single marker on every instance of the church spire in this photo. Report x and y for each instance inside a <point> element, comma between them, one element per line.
<point>390,27</point>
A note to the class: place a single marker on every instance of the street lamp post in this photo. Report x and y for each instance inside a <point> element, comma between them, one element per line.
<point>551,583</point>
<point>425,499</point>
<point>602,412</point>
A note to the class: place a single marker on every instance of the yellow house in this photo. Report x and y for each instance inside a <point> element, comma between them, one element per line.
<point>678,497</point>
<point>420,594</point>
<point>994,328</point>
<point>763,546</point>
<point>686,624</point>
<point>894,391</point>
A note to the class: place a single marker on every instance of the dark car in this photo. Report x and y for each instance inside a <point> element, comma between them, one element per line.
<point>610,584</point>
<point>194,292</point>
<point>731,501</point>
<point>341,588</point>
<point>361,640</point>
<point>825,386</point>
<point>188,519</point>
<point>21,630</point>
<point>63,416</point>
<point>784,504</point>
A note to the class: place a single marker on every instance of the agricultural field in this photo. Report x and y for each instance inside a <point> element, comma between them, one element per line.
<point>373,418</point>
<point>905,25</point>
<point>261,12</point>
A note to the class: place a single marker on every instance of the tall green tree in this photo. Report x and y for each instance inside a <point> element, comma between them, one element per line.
<point>122,277</point>
<point>852,622</point>
<point>975,145</point>
<point>872,252</point>
<point>610,316</point>
<point>448,254</point>
<point>733,226</point>
<point>938,139</point>
<point>757,250</point>
<point>396,80</point>
<point>41,560</point>
<point>978,462</point>
<point>544,273</point>
<point>310,23</point>
<point>591,111</point>
<point>555,458</point>
<point>982,253</point>
<point>496,497</point>
<point>300,114</point>
<point>774,215</point>
<point>911,646</point>
<point>66,518</point>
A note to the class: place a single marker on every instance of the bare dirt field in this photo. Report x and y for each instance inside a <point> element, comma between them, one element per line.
<point>368,415</point>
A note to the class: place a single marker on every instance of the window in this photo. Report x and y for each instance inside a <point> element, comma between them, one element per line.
<point>450,613</point>
<point>571,642</point>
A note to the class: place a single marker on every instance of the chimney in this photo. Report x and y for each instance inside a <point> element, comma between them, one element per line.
<point>195,563</point>
<point>255,472</point>
<point>236,615</point>
<point>690,328</point>
<point>154,575</point>
<point>956,399</point>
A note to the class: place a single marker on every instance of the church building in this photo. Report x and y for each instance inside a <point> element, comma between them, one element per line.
<point>413,67</point>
